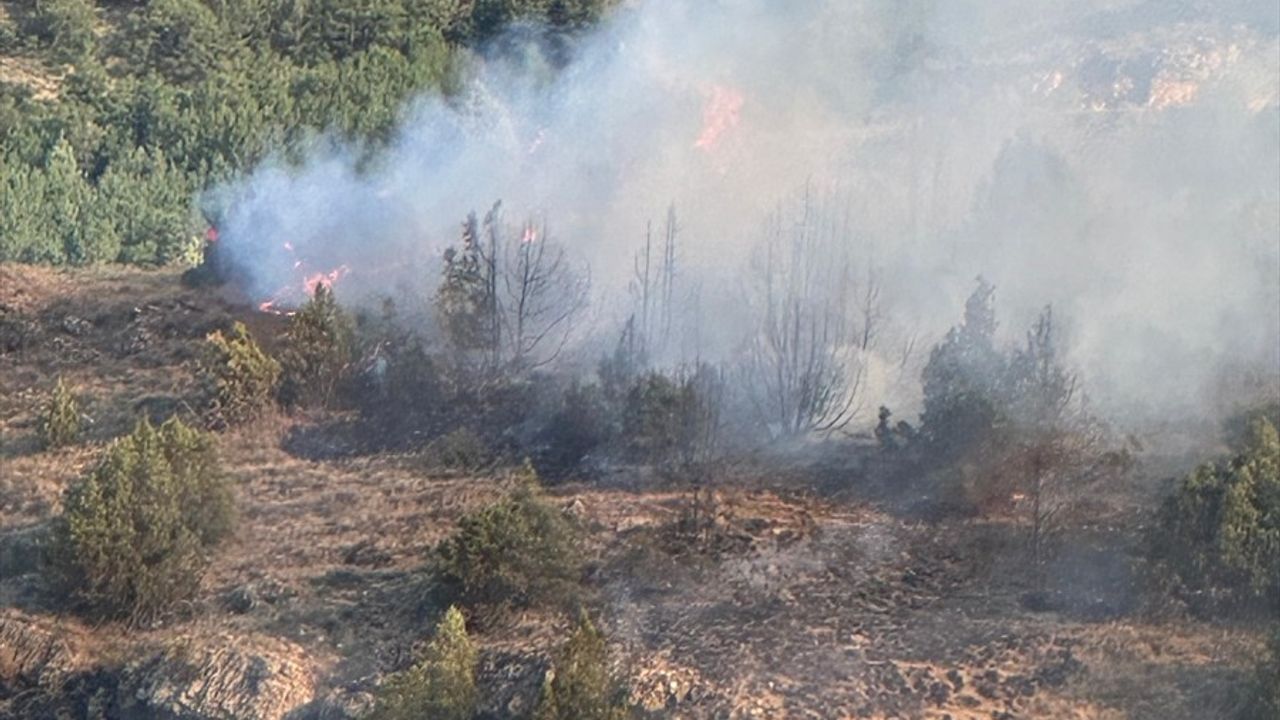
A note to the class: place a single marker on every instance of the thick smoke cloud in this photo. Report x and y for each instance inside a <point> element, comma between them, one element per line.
<point>1119,159</point>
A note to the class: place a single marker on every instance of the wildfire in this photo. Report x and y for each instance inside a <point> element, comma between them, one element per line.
<point>721,114</point>
<point>294,294</point>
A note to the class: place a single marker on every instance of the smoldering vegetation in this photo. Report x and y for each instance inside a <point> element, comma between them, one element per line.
<point>1113,160</point>
<point>728,359</point>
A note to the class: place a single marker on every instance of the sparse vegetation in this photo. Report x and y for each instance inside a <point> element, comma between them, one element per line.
<point>60,419</point>
<point>460,449</point>
<point>441,686</point>
<point>239,379</point>
<point>518,551</point>
<point>1263,701</point>
<point>132,538</point>
<point>580,685</point>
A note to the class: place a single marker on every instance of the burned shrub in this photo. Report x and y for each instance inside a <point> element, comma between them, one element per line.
<point>16,332</point>
<point>1216,543</point>
<point>519,551</point>
<point>673,419</point>
<point>239,380</point>
<point>962,408</point>
<point>461,450</point>
<point>403,395</point>
<point>317,351</point>
<point>579,685</point>
<point>132,537</point>
<point>580,425</point>
<point>59,422</point>
<point>442,686</point>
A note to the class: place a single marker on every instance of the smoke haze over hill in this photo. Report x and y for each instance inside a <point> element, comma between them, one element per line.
<point>1115,159</point>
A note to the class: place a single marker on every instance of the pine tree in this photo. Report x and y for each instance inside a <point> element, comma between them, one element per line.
<point>961,380</point>
<point>60,420</point>
<point>579,685</point>
<point>442,686</point>
<point>317,352</point>
<point>130,540</point>
<point>239,379</point>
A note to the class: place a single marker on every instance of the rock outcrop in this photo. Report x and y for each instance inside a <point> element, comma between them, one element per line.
<point>219,677</point>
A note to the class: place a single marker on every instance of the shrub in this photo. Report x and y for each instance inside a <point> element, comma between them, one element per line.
<point>518,551</point>
<point>442,686</point>
<point>579,685</point>
<point>1263,702</point>
<point>580,425</point>
<point>402,393</point>
<point>60,420</point>
<point>1217,539</point>
<point>239,379</point>
<point>461,449</point>
<point>673,419</point>
<point>318,347</point>
<point>132,536</point>
<point>65,25</point>
<point>962,408</point>
<point>204,493</point>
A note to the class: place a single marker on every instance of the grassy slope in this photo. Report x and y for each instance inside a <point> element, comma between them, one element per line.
<point>807,607</point>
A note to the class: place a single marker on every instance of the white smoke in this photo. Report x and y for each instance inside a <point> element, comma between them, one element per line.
<point>1119,159</point>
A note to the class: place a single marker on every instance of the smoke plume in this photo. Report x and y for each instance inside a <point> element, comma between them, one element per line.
<point>1119,159</point>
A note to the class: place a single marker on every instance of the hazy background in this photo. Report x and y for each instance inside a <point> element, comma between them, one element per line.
<point>1120,160</point>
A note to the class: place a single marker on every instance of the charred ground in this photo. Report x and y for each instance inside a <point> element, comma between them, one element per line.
<point>822,586</point>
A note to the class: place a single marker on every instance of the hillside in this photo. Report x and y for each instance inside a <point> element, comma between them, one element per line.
<point>816,592</point>
<point>626,359</point>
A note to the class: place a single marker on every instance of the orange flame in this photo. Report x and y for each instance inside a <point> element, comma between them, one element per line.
<point>721,114</point>
<point>295,293</point>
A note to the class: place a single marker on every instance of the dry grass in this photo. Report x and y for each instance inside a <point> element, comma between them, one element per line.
<point>787,606</point>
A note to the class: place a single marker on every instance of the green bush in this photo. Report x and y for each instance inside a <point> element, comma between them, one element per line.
<point>132,537</point>
<point>1217,539</point>
<point>66,26</point>
<point>239,379</point>
<point>60,420</point>
<point>579,685</point>
<point>442,686</point>
<point>317,352</point>
<point>204,492</point>
<point>518,551</point>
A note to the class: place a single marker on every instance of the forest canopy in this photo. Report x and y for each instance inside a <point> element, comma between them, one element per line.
<point>153,102</point>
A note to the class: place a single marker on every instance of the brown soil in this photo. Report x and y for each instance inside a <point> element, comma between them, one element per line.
<point>792,604</point>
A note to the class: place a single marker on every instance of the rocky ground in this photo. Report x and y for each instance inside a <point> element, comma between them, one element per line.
<point>810,596</point>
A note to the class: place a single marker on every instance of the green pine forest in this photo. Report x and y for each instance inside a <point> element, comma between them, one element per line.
<point>142,105</point>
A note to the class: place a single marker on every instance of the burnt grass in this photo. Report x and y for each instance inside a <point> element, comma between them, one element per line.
<point>823,586</point>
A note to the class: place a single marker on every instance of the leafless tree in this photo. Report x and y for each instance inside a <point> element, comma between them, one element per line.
<point>510,295</point>
<point>804,370</point>
<point>542,295</point>
<point>653,288</point>
<point>1058,448</point>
